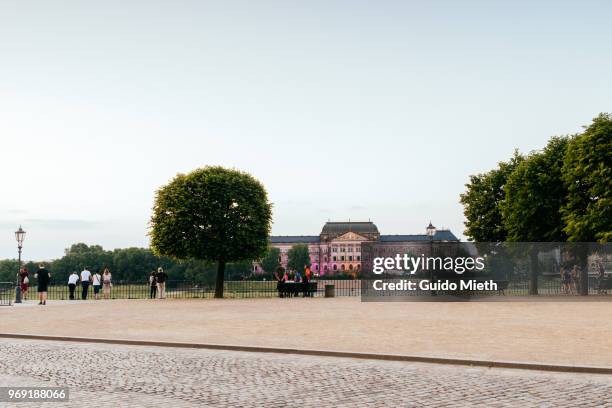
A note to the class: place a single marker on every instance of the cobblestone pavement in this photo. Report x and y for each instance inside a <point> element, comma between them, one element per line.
<point>105,375</point>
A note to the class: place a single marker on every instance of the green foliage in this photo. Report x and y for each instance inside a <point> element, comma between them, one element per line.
<point>128,264</point>
<point>8,270</point>
<point>212,214</point>
<point>534,195</point>
<point>238,270</point>
<point>563,192</point>
<point>588,173</point>
<point>482,202</point>
<point>270,261</point>
<point>297,257</point>
<point>79,256</point>
<point>192,270</point>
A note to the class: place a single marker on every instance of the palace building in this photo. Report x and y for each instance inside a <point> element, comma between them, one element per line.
<point>337,248</point>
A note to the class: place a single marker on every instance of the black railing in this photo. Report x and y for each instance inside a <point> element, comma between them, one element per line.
<point>268,289</point>
<point>195,290</point>
<point>7,291</point>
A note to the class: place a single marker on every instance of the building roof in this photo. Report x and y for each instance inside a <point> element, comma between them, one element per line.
<point>440,235</point>
<point>294,239</point>
<point>333,228</point>
<point>337,228</point>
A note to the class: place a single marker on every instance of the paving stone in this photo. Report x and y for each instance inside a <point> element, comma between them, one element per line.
<point>106,375</point>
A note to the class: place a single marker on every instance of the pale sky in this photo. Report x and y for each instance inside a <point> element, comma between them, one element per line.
<point>343,109</point>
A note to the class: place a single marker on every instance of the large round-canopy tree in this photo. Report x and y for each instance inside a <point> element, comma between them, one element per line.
<point>212,214</point>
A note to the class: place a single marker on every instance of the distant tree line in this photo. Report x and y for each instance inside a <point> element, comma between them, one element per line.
<point>128,264</point>
<point>560,193</point>
<point>135,264</point>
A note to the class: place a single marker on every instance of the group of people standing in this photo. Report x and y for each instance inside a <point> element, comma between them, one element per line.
<point>99,282</point>
<point>95,280</point>
<point>157,283</point>
<point>42,275</point>
<point>283,277</point>
<point>570,279</point>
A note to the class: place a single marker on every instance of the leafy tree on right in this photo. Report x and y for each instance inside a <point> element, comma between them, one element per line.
<point>587,172</point>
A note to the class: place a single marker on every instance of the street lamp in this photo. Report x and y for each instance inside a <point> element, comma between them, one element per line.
<point>431,231</point>
<point>19,236</point>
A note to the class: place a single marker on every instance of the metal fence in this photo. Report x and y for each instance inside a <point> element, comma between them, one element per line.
<point>268,289</point>
<point>7,290</point>
<point>195,290</point>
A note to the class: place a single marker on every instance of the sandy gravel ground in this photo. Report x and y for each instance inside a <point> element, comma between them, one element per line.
<point>574,333</point>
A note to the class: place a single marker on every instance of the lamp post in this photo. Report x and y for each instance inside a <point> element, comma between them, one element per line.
<point>431,231</point>
<point>19,236</point>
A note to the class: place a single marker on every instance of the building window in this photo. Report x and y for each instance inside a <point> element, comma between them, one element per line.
<point>325,268</point>
<point>342,266</point>
<point>351,267</point>
<point>358,258</point>
<point>324,259</point>
<point>335,267</point>
<point>342,258</point>
<point>350,249</point>
<point>334,259</point>
<point>334,249</point>
<point>342,249</point>
<point>350,257</point>
<point>316,267</point>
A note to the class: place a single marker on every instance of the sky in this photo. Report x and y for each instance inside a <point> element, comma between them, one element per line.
<point>342,109</point>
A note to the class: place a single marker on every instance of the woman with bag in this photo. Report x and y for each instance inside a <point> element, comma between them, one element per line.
<point>24,282</point>
<point>97,282</point>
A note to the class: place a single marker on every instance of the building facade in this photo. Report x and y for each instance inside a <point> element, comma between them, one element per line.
<point>338,248</point>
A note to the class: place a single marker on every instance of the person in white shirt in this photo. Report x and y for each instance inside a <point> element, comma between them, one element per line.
<point>85,281</point>
<point>97,282</point>
<point>72,282</point>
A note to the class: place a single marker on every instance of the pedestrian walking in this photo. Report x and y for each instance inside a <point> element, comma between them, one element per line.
<point>73,279</point>
<point>43,276</point>
<point>153,285</point>
<point>85,281</point>
<point>161,277</point>
<point>96,283</point>
<point>107,283</point>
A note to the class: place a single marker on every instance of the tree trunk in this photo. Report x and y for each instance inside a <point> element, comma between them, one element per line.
<point>533,272</point>
<point>219,282</point>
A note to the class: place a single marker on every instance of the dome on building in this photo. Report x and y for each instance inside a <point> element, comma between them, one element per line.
<point>338,228</point>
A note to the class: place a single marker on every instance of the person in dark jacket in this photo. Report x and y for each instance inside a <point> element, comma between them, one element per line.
<point>43,276</point>
<point>153,284</point>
